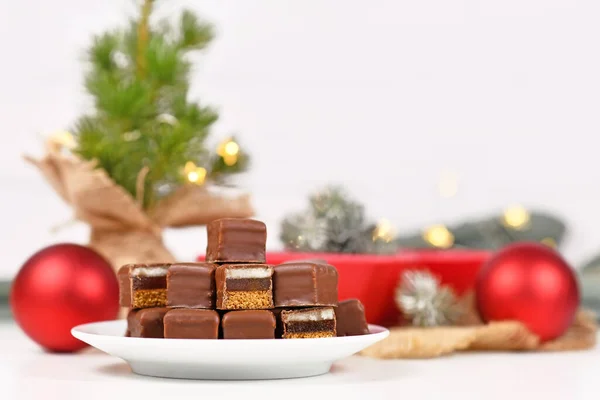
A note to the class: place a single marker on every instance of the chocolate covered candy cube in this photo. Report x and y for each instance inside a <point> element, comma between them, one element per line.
<point>244,286</point>
<point>308,323</point>
<point>248,324</point>
<point>191,285</point>
<point>191,324</point>
<point>143,285</point>
<point>350,318</point>
<point>130,321</point>
<point>147,322</point>
<point>236,240</point>
<point>305,283</point>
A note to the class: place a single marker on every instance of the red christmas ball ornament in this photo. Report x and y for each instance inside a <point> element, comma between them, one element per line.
<point>530,283</point>
<point>60,287</point>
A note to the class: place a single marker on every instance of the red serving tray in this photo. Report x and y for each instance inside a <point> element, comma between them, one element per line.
<point>373,278</point>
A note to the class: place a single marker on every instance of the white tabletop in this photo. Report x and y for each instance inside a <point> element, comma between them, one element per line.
<point>29,373</point>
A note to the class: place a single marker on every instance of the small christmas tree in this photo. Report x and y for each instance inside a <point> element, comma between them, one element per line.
<point>138,163</point>
<point>143,120</point>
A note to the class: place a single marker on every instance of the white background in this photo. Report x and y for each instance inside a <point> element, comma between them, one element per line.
<point>382,96</point>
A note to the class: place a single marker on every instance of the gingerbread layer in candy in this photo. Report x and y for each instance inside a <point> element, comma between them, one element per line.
<point>244,286</point>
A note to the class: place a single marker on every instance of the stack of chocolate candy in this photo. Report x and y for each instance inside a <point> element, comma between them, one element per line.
<point>236,295</point>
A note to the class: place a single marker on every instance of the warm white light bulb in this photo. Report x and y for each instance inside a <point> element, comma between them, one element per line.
<point>197,176</point>
<point>384,231</point>
<point>439,236</point>
<point>516,217</point>
<point>231,148</point>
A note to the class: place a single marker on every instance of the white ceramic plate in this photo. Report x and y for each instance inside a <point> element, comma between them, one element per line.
<point>224,359</point>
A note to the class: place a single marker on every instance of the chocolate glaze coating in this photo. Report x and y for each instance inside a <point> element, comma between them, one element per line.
<point>236,240</point>
<point>148,282</point>
<point>191,324</point>
<point>191,285</point>
<point>148,323</point>
<point>305,284</point>
<point>310,326</point>
<point>350,317</point>
<point>124,286</point>
<point>248,324</point>
<point>249,284</point>
<point>130,321</point>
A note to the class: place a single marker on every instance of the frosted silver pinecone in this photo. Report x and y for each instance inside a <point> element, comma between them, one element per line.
<point>424,301</point>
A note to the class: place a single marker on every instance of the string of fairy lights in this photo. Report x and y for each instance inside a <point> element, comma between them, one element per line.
<point>384,231</point>
<point>514,217</point>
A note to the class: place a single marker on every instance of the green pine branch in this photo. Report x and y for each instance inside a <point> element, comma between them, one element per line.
<point>139,79</point>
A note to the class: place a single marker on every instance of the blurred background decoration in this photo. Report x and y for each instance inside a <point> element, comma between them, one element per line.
<point>334,222</point>
<point>589,274</point>
<point>138,162</point>
<point>425,302</point>
<point>515,224</point>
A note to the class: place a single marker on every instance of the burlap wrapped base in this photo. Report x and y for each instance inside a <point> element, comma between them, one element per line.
<point>125,247</point>
<point>411,342</point>
<point>123,230</point>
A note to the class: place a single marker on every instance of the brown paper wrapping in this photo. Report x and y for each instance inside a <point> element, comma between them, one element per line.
<point>121,230</point>
<point>471,334</point>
